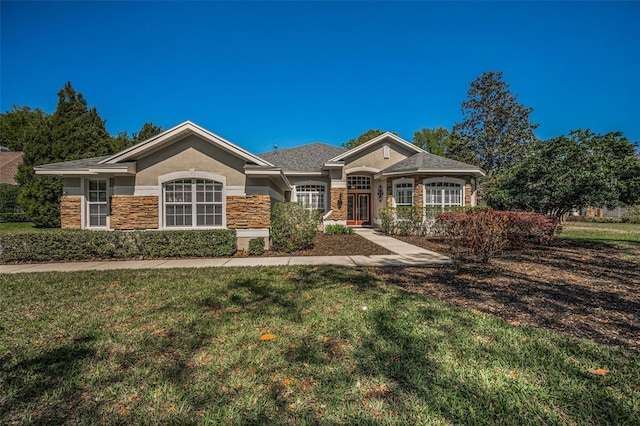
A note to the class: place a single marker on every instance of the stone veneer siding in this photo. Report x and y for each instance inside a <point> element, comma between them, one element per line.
<point>339,211</point>
<point>134,212</point>
<point>249,212</point>
<point>418,191</point>
<point>467,194</point>
<point>71,212</point>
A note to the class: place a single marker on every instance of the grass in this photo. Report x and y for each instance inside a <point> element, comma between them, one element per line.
<point>183,346</point>
<point>16,226</point>
<point>623,235</point>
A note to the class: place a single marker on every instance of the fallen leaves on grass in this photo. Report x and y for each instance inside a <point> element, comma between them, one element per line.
<point>267,336</point>
<point>599,372</point>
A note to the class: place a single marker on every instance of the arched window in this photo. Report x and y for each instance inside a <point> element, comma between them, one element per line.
<point>312,195</point>
<point>443,192</point>
<point>193,203</point>
<point>359,182</point>
<point>403,192</point>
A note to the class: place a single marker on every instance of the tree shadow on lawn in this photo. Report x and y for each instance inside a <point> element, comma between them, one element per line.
<point>462,371</point>
<point>585,290</point>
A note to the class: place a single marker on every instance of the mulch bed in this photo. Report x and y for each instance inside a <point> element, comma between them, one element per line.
<point>337,245</point>
<point>581,289</point>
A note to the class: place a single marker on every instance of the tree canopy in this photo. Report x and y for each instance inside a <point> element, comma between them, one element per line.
<point>364,137</point>
<point>568,172</point>
<point>495,127</point>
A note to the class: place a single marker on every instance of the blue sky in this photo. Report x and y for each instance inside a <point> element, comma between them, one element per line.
<point>288,73</point>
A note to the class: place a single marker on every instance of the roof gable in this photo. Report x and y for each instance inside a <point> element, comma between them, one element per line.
<point>427,162</point>
<point>387,136</point>
<point>177,133</point>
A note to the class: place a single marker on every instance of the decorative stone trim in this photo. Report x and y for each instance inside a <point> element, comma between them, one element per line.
<point>134,212</point>
<point>467,194</point>
<point>71,212</point>
<point>339,209</point>
<point>248,212</point>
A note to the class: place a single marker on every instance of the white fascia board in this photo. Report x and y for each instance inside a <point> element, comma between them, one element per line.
<point>303,173</point>
<point>275,174</point>
<point>476,172</point>
<point>334,164</point>
<point>174,133</point>
<point>374,141</point>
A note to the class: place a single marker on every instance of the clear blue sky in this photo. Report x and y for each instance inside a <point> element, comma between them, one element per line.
<point>288,73</point>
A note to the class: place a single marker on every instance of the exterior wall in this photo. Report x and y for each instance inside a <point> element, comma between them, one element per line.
<point>467,194</point>
<point>71,212</point>
<point>339,209</point>
<point>418,191</point>
<point>191,153</point>
<point>134,212</point>
<point>250,212</point>
<point>374,158</point>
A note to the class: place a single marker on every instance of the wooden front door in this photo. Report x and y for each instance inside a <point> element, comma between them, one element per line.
<point>358,209</point>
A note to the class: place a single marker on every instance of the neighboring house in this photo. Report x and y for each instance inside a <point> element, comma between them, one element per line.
<point>190,178</point>
<point>9,162</point>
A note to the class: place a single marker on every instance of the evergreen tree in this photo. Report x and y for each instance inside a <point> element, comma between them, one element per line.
<point>147,131</point>
<point>495,127</point>
<point>16,126</point>
<point>364,137</point>
<point>72,132</point>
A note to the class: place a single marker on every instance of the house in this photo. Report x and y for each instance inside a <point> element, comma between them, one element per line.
<point>9,162</point>
<point>190,178</point>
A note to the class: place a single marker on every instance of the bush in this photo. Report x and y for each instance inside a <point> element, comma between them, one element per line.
<point>602,219</point>
<point>573,218</point>
<point>479,232</point>
<point>632,215</point>
<point>9,208</point>
<point>293,227</point>
<point>525,227</point>
<point>338,230</point>
<point>409,220</point>
<point>67,245</point>
<point>256,246</point>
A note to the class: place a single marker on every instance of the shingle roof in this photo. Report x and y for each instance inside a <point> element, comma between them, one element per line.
<point>424,161</point>
<point>310,157</point>
<point>9,162</point>
<point>74,164</point>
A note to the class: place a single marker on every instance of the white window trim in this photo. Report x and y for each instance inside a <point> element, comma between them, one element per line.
<point>362,176</point>
<point>294,195</point>
<point>397,182</point>
<point>191,174</point>
<point>86,211</point>
<point>460,182</point>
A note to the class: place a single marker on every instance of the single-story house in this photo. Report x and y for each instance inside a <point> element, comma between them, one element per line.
<point>190,178</point>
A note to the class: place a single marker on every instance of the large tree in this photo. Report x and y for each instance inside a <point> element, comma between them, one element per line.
<point>569,172</point>
<point>364,137</point>
<point>147,131</point>
<point>495,127</point>
<point>72,132</point>
<point>440,141</point>
<point>17,126</point>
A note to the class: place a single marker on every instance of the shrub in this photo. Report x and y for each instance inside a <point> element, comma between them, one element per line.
<point>9,208</point>
<point>66,245</point>
<point>256,246</point>
<point>338,230</point>
<point>293,227</point>
<point>408,220</point>
<point>602,219</point>
<point>573,218</point>
<point>479,232</point>
<point>526,227</point>
<point>632,215</point>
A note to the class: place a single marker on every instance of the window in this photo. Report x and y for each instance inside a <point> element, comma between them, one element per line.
<point>359,182</point>
<point>443,193</point>
<point>193,203</point>
<point>403,192</point>
<point>97,203</point>
<point>311,196</point>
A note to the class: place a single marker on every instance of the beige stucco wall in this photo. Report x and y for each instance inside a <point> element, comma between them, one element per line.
<point>374,156</point>
<point>186,154</point>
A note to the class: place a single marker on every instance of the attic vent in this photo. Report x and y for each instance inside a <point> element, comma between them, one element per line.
<point>385,152</point>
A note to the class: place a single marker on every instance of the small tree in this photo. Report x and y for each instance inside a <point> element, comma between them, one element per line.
<point>293,227</point>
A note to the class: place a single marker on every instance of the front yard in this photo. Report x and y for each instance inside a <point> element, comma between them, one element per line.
<point>184,346</point>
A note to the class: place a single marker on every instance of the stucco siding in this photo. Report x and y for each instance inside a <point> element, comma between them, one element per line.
<point>187,154</point>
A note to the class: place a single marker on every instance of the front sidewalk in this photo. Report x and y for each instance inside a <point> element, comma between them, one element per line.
<point>406,255</point>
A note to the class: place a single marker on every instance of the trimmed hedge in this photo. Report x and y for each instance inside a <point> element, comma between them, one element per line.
<point>67,245</point>
<point>256,246</point>
<point>338,230</point>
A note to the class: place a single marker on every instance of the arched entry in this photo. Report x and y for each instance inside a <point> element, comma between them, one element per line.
<point>358,200</point>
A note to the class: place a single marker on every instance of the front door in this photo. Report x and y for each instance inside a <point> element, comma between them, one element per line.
<point>358,209</point>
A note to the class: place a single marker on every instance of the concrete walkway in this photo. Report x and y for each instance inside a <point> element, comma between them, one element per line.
<point>405,254</point>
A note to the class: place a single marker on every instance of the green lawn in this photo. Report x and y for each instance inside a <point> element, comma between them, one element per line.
<point>624,235</point>
<point>183,346</point>
<point>16,226</point>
